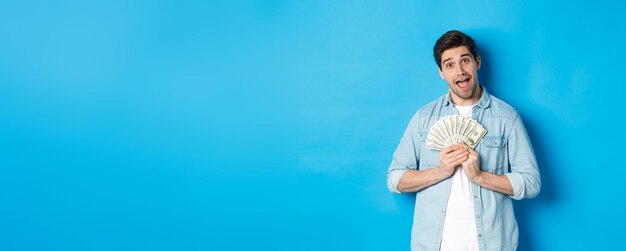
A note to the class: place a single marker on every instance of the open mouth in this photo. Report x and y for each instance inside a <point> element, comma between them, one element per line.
<point>463,82</point>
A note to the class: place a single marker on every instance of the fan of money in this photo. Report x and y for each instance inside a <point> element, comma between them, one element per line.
<point>454,129</point>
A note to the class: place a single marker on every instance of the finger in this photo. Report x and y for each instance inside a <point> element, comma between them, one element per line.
<point>473,154</point>
<point>464,146</point>
<point>451,159</point>
<point>458,152</point>
<point>450,149</point>
<point>458,162</point>
<point>457,146</point>
<point>457,158</point>
<point>471,150</point>
<point>452,153</point>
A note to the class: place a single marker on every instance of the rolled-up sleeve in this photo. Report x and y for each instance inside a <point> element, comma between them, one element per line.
<point>524,173</point>
<point>406,156</point>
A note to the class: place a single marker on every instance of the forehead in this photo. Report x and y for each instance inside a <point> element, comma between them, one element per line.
<point>454,52</point>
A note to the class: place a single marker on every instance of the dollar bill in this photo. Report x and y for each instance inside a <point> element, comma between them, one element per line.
<point>454,129</point>
<point>473,138</point>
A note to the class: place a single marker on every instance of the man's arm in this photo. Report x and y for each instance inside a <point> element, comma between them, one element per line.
<point>406,156</point>
<point>498,183</point>
<point>414,180</point>
<point>403,174</point>
<point>524,173</point>
<point>524,180</point>
<point>449,159</point>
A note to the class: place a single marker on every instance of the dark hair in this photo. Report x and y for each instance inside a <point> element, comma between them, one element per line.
<point>453,39</point>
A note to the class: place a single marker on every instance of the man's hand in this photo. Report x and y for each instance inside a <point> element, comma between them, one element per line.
<point>471,166</point>
<point>450,158</point>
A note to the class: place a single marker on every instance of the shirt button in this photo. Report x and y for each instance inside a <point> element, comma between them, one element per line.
<point>475,196</point>
<point>480,235</point>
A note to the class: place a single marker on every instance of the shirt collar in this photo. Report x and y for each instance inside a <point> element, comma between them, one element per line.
<point>483,102</point>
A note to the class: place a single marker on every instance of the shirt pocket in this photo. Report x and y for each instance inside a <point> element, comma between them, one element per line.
<point>493,156</point>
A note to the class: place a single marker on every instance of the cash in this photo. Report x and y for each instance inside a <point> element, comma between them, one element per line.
<point>454,129</point>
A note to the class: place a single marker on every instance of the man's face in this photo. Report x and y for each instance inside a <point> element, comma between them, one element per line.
<point>460,70</point>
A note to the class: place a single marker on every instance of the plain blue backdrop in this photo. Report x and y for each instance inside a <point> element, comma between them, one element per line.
<point>270,125</point>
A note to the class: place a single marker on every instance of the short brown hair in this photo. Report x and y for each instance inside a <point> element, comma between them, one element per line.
<point>453,39</point>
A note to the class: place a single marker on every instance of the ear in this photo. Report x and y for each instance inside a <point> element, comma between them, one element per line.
<point>477,62</point>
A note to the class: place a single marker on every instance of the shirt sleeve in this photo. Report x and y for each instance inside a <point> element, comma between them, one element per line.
<point>406,156</point>
<point>524,173</point>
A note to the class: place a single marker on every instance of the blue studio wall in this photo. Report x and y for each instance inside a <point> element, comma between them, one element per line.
<point>269,125</point>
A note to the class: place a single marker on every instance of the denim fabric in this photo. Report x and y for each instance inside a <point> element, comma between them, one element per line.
<point>505,150</point>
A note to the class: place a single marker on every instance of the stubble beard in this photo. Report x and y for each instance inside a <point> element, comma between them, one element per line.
<point>464,95</point>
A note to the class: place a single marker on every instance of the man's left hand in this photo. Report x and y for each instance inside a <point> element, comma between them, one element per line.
<point>471,166</point>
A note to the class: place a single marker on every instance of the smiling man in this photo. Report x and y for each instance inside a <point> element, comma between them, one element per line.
<point>464,195</point>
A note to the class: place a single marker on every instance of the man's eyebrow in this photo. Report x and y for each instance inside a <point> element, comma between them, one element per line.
<point>463,55</point>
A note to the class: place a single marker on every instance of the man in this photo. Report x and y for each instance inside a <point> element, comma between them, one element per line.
<point>464,195</point>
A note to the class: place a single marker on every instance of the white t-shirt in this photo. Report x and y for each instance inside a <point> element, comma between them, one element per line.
<point>459,227</point>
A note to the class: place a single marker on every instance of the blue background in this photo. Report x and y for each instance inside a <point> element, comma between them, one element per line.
<point>269,125</point>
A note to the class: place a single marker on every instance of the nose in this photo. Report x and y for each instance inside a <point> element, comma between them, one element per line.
<point>460,70</point>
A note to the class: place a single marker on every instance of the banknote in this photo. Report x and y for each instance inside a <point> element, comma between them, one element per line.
<point>455,129</point>
<point>473,138</point>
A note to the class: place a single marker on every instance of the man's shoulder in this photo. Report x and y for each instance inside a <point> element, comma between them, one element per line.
<point>502,109</point>
<point>424,113</point>
<point>427,109</point>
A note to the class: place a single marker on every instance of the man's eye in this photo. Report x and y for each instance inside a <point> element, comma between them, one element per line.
<point>449,66</point>
<point>465,60</point>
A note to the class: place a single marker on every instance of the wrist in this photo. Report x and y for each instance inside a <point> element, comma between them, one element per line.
<point>443,173</point>
<point>479,178</point>
<point>440,173</point>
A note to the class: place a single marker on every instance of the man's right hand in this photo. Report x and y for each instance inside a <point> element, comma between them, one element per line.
<point>450,158</point>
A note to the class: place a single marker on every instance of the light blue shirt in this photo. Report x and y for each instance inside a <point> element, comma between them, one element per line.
<point>505,150</point>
